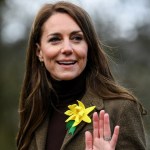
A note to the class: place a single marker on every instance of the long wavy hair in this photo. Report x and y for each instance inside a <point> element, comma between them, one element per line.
<point>34,99</point>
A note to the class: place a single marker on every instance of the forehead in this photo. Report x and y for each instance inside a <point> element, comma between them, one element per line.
<point>60,22</point>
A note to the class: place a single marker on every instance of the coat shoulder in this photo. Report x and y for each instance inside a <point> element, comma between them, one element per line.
<point>120,108</point>
<point>120,105</point>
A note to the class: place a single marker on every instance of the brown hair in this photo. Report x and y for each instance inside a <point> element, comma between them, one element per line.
<point>34,99</point>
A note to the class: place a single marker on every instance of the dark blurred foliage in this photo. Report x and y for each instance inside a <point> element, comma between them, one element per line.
<point>12,57</point>
<point>130,64</point>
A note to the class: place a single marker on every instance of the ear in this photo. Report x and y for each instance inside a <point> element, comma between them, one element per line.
<point>39,53</point>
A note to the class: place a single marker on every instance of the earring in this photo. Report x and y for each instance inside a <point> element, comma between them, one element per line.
<point>42,63</point>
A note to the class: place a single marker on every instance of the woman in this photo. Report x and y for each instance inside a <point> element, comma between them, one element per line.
<point>65,63</point>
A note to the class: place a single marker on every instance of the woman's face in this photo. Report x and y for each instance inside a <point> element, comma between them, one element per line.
<point>62,48</point>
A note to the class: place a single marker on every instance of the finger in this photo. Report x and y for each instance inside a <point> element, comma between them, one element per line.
<point>95,125</point>
<point>88,140</point>
<point>101,123</point>
<point>107,130</point>
<point>115,137</point>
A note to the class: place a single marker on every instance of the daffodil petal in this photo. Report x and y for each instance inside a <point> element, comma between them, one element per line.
<point>89,109</point>
<point>68,112</point>
<point>81,104</point>
<point>86,119</point>
<point>77,118</point>
<point>71,118</point>
<point>71,107</point>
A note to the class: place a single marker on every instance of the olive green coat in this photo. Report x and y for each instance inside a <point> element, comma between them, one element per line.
<point>124,113</point>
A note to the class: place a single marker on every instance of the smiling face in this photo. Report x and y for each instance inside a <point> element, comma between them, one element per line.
<point>62,48</point>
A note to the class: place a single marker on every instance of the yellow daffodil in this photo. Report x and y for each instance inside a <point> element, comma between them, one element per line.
<point>78,113</point>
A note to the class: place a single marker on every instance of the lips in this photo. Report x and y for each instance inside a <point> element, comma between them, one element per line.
<point>70,62</point>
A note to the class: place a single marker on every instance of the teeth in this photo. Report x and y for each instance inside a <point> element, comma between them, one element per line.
<point>66,62</point>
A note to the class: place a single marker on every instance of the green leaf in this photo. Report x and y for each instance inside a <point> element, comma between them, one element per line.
<point>72,130</point>
<point>69,124</point>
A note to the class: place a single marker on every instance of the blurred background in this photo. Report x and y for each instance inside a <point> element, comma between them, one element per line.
<point>123,27</point>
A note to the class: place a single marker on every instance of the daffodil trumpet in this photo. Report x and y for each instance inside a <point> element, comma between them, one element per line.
<point>77,113</point>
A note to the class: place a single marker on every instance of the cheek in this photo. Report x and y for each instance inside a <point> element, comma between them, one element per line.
<point>49,53</point>
<point>82,55</point>
<point>83,52</point>
<point>48,59</point>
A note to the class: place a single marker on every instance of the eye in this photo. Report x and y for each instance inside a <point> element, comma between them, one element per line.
<point>77,38</point>
<point>54,40</point>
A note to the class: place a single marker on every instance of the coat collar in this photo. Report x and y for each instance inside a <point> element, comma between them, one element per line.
<point>89,99</point>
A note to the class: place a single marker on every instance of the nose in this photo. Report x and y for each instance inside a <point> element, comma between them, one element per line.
<point>67,47</point>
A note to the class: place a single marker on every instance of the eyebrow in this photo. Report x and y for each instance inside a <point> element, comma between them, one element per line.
<point>57,33</point>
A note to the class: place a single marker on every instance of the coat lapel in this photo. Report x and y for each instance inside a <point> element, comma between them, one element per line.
<point>40,135</point>
<point>88,100</point>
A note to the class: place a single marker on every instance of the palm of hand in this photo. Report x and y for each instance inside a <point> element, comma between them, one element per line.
<point>101,144</point>
<point>100,140</point>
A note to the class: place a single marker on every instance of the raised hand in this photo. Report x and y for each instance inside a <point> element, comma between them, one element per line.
<point>101,137</point>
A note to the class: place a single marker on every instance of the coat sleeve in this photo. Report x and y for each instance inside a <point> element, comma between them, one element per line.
<point>131,136</point>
